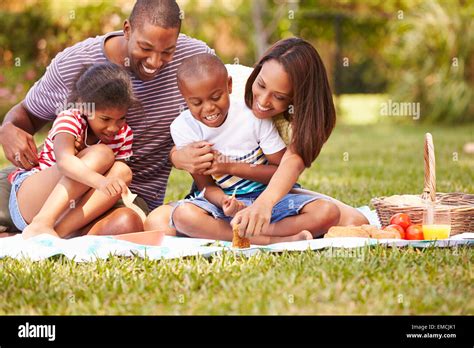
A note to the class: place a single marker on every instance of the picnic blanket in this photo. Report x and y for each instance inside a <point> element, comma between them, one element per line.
<point>91,248</point>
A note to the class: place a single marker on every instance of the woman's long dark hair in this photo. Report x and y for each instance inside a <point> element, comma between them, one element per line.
<point>312,113</point>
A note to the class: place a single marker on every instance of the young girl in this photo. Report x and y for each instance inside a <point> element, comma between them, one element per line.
<point>67,191</point>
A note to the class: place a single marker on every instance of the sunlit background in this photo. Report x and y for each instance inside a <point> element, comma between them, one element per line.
<point>412,51</point>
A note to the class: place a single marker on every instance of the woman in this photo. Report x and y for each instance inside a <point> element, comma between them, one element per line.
<point>291,80</point>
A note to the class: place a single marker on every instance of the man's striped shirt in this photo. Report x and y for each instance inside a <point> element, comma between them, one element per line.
<point>161,103</point>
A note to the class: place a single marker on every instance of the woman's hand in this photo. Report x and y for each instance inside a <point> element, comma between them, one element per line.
<point>253,220</point>
<point>79,145</point>
<point>194,158</point>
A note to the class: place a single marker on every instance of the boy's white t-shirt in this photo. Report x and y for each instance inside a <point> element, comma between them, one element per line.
<point>242,137</point>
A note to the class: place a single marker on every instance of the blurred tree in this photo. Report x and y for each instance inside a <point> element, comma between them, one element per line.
<point>351,36</point>
<point>431,60</point>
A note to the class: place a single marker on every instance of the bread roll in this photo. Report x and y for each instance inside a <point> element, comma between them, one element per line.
<point>237,241</point>
<point>364,231</point>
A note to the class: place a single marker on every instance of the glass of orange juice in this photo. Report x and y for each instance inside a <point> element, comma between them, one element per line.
<point>436,224</point>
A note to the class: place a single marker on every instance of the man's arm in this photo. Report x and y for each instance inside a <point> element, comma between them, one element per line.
<point>16,136</point>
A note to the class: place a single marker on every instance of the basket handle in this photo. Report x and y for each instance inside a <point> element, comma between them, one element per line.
<point>429,191</point>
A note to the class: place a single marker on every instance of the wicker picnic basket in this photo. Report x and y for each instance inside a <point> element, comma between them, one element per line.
<point>460,205</point>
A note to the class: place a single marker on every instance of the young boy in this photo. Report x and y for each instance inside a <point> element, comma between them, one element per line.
<point>243,139</point>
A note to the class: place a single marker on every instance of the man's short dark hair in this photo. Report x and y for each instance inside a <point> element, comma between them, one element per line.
<point>161,13</point>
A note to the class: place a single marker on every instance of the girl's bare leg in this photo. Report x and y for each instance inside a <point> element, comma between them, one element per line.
<point>43,209</point>
<point>92,205</point>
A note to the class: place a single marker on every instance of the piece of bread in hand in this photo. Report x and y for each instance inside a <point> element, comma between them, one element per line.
<point>238,241</point>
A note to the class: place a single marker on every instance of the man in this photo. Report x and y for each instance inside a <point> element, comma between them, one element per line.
<point>151,47</point>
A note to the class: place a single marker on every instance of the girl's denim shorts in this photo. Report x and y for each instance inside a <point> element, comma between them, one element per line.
<point>15,214</point>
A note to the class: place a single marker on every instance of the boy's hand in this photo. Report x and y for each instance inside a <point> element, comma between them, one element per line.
<point>112,186</point>
<point>220,165</point>
<point>231,206</point>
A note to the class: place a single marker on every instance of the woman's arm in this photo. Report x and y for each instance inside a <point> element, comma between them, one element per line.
<point>285,177</point>
<point>260,173</point>
<point>255,219</point>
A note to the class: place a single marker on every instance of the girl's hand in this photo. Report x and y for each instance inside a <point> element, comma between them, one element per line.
<point>253,220</point>
<point>220,165</point>
<point>231,206</point>
<point>112,186</point>
<point>79,145</point>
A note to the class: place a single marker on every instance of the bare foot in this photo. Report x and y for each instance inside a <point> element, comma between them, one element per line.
<point>303,235</point>
<point>266,239</point>
<point>35,229</point>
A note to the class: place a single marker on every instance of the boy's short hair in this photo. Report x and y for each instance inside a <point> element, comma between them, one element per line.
<point>203,64</point>
<point>161,13</point>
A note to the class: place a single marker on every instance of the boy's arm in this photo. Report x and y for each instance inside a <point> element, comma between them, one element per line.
<point>213,193</point>
<point>72,166</point>
<point>256,172</point>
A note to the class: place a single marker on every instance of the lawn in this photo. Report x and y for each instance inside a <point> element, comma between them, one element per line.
<point>358,163</point>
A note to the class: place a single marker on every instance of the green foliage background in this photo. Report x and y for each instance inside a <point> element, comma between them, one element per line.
<point>404,48</point>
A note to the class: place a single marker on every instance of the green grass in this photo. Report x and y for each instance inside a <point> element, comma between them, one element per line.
<point>358,163</point>
<point>334,281</point>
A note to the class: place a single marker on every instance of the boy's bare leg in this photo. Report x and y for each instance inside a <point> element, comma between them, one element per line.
<point>159,220</point>
<point>197,223</point>
<point>316,217</point>
<point>43,209</point>
<point>92,205</point>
